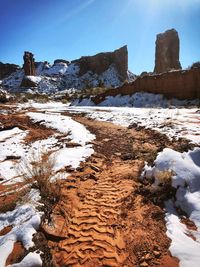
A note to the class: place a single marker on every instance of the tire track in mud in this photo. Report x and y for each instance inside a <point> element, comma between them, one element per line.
<point>101,221</point>
<point>93,234</point>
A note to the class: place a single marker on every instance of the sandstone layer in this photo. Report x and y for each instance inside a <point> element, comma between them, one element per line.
<point>29,64</point>
<point>178,84</point>
<point>7,69</point>
<point>167,51</point>
<point>102,61</point>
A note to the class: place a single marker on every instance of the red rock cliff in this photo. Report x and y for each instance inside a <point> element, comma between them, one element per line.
<point>167,51</point>
<point>7,69</point>
<point>177,84</point>
<point>102,61</point>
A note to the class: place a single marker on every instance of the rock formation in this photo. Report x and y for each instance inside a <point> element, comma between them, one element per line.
<point>7,69</point>
<point>29,64</point>
<point>176,84</point>
<point>102,61</point>
<point>57,61</point>
<point>28,83</point>
<point>167,51</point>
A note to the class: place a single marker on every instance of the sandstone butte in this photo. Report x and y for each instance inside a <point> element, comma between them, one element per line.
<point>167,51</point>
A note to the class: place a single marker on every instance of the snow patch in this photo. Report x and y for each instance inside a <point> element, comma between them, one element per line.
<point>25,221</point>
<point>185,175</point>
<point>35,79</point>
<point>33,259</point>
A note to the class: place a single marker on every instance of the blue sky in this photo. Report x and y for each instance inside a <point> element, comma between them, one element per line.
<point>70,29</point>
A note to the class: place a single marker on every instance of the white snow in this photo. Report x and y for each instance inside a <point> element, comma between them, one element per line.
<point>35,79</point>
<point>25,221</point>
<point>174,122</point>
<point>9,133</point>
<point>64,124</point>
<point>139,99</point>
<point>185,174</point>
<point>75,131</point>
<point>33,259</point>
<point>183,246</point>
<point>71,156</point>
<point>13,146</point>
<point>56,69</point>
<point>14,80</point>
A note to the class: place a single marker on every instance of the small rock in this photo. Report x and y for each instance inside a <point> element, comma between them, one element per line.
<point>128,156</point>
<point>144,264</point>
<point>12,157</point>
<point>95,168</point>
<point>148,256</point>
<point>106,139</point>
<point>89,176</point>
<point>118,154</point>
<point>156,253</point>
<point>133,125</point>
<point>80,169</point>
<point>92,176</point>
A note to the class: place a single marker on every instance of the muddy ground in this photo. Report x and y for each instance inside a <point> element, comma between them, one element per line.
<point>106,215</point>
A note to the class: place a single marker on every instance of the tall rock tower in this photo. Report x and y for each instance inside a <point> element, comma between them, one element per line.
<point>167,51</point>
<point>29,64</point>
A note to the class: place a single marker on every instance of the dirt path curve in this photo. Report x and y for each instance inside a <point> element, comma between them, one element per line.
<point>103,218</point>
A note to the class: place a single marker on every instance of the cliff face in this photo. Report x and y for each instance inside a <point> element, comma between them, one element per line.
<point>102,61</point>
<point>167,52</point>
<point>177,84</point>
<point>7,69</point>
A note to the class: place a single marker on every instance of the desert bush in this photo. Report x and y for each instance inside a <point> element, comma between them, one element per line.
<point>164,177</point>
<point>38,172</point>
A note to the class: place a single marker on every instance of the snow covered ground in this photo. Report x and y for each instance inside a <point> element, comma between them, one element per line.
<point>174,122</point>
<point>25,218</point>
<point>184,167</point>
<point>139,99</point>
<point>76,132</point>
<point>185,177</point>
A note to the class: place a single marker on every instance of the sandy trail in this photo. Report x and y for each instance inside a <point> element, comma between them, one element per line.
<point>104,217</point>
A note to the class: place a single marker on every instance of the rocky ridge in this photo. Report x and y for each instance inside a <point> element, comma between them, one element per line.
<point>7,69</point>
<point>108,69</point>
<point>180,84</point>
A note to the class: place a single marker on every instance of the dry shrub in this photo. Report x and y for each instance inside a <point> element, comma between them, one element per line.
<point>38,172</point>
<point>165,190</point>
<point>165,177</point>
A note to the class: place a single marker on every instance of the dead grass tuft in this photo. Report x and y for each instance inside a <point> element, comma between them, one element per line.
<point>165,177</point>
<point>38,172</point>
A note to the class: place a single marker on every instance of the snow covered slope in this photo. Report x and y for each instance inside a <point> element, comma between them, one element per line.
<point>140,99</point>
<point>104,69</point>
<point>60,76</point>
